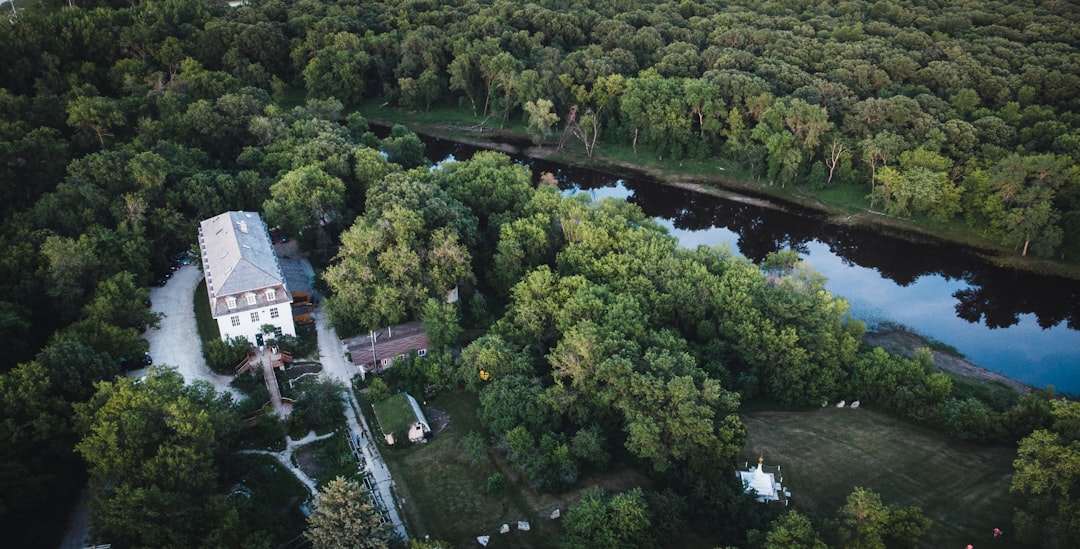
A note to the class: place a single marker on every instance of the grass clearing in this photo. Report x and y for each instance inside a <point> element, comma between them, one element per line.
<point>825,453</point>
<point>446,496</point>
<point>395,416</point>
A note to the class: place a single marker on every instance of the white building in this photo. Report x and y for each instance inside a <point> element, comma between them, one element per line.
<point>243,278</point>
<point>766,485</point>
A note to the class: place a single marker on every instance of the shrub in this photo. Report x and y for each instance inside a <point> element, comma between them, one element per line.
<point>223,356</point>
<point>496,484</point>
<point>378,390</point>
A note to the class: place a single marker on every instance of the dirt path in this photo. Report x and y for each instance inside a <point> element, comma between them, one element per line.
<point>905,343</point>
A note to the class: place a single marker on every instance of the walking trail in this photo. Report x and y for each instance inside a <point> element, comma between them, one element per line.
<point>285,457</point>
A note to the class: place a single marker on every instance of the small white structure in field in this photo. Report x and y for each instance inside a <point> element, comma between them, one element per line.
<point>855,404</point>
<point>483,540</point>
<point>841,404</point>
<point>504,529</point>
<point>523,525</point>
<point>766,485</point>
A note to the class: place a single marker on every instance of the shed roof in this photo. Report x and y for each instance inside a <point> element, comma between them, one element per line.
<point>417,411</point>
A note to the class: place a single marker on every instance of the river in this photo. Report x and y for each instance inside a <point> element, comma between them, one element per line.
<point>1022,325</point>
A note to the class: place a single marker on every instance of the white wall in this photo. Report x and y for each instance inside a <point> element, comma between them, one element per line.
<point>249,328</point>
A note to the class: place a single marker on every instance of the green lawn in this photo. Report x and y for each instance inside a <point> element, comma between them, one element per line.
<point>446,495</point>
<point>395,416</point>
<point>208,328</point>
<point>824,454</point>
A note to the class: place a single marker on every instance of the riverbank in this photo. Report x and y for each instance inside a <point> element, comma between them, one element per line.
<point>905,343</point>
<point>716,183</point>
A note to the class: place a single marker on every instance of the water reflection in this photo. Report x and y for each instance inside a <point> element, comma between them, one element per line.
<point>1020,324</point>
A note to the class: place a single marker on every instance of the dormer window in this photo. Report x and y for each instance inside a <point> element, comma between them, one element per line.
<point>250,299</point>
<point>271,295</point>
<point>231,302</point>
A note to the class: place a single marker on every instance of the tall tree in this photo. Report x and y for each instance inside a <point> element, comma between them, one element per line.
<point>153,447</point>
<point>1048,474</point>
<point>303,198</point>
<point>622,520</point>
<point>345,516</point>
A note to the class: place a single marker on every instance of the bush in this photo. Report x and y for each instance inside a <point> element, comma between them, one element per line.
<point>474,447</point>
<point>223,356</point>
<point>378,390</point>
<point>496,485</point>
<point>971,419</point>
<point>319,407</point>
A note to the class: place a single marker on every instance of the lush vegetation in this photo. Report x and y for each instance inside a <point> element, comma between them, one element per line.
<point>589,336</point>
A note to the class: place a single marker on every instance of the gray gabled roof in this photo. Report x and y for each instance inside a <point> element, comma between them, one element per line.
<point>238,257</point>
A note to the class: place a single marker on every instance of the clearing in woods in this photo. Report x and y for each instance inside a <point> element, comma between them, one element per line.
<point>446,496</point>
<point>824,454</point>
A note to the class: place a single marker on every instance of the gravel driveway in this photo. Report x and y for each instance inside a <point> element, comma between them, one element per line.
<point>175,342</point>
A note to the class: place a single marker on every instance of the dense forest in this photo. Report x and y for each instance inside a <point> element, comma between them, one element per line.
<point>588,333</point>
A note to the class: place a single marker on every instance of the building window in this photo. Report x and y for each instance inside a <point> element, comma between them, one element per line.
<point>234,320</point>
<point>385,362</point>
<point>278,332</point>
<point>231,302</point>
<point>251,299</point>
<point>273,312</point>
<point>402,357</point>
<point>421,352</point>
<point>255,316</point>
<point>271,295</point>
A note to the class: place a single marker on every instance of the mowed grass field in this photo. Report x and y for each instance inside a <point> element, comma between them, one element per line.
<point>446,496</point>
<point>824,454</point>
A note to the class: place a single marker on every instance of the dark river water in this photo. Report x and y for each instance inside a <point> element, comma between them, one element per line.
<point>1025,326</point>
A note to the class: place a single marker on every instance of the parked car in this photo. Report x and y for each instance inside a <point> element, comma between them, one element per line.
<point>130,364</point>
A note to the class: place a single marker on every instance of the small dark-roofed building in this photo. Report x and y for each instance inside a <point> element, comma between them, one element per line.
<point>244,282</point>
<point>377,350</point>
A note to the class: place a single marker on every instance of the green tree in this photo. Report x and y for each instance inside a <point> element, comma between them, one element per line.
<point>510,401</point>
<point>442,321</point>
<point>622,520</point>
<point>378,390</point>
<point>490,184</point>
<point>1020,205</point>
<point>491,357</point>
<point>319,407</point>
<point>404,148</point>
<point>73,366</point>
<point>94,116</point>
<point>541,119</point>
<point>338,70</point>
<point>305,197</point>
<point>153,447</point>
<point>346,516</point>
<point>120,302</point>
<point>388,267</point>
<point>37,461</point>
<point>865,518</point>
<point>1048,475</point>
<point>793,531</point>
<point>919,185</point>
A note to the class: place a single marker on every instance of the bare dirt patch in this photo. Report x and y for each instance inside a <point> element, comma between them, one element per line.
<point>905,343</point>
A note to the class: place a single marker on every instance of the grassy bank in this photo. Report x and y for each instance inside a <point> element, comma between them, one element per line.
<point>824,454</point>
<point>843,204</point>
